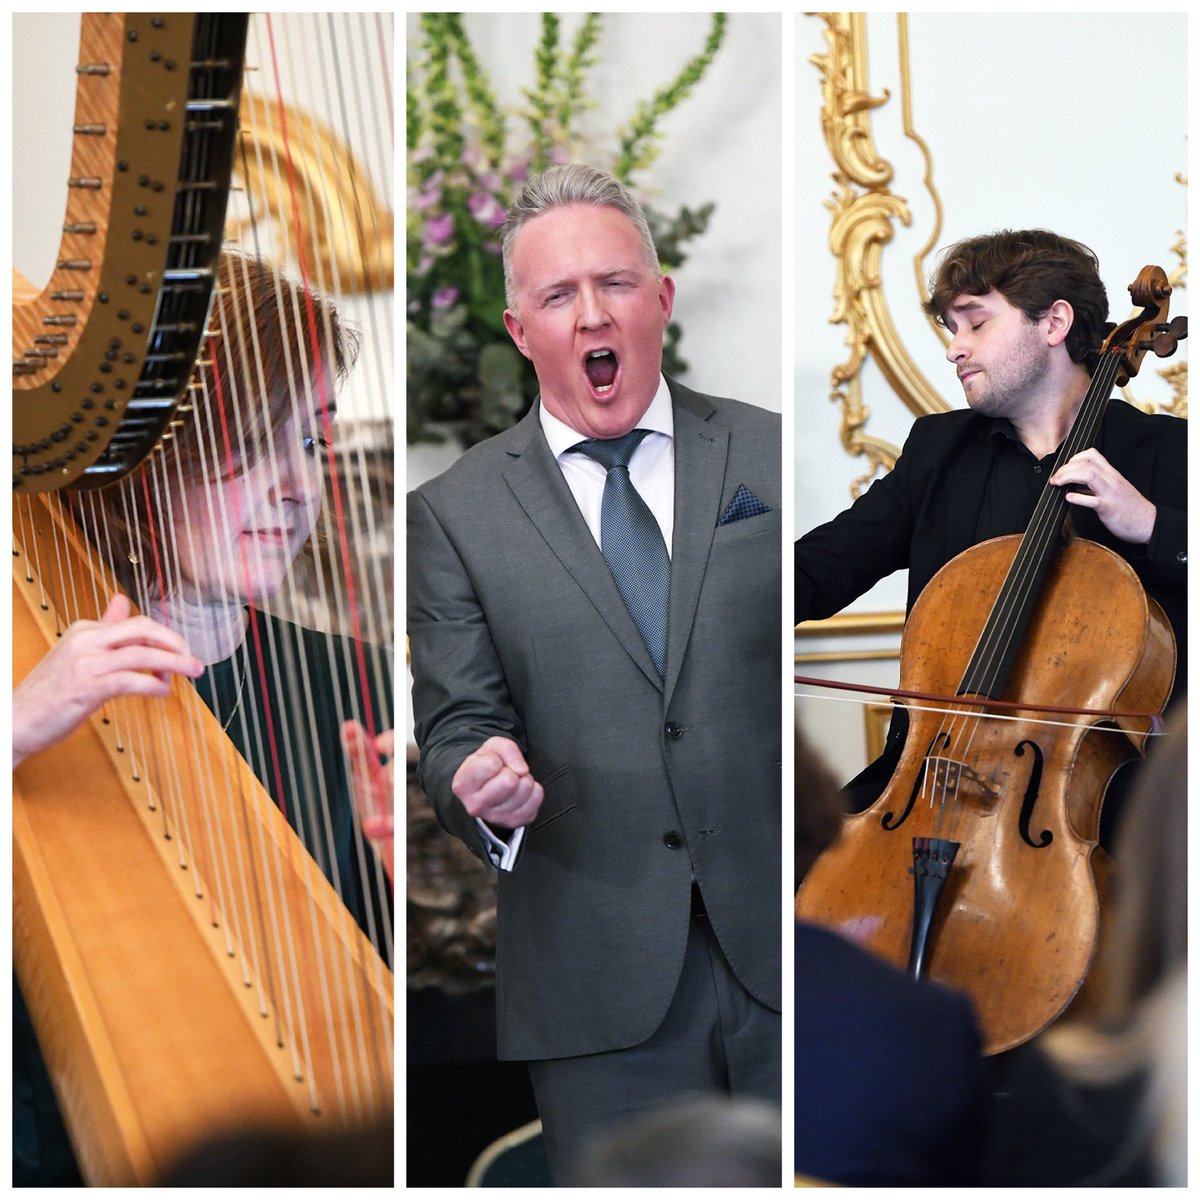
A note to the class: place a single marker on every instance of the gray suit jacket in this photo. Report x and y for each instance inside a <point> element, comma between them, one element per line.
<point>517,629</point>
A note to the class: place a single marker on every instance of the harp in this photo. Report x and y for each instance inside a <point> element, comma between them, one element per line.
<point>189,967</point>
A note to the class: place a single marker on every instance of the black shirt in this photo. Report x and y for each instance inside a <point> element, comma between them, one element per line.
<point>963,478</point>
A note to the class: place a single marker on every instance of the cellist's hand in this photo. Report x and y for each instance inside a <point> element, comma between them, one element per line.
<point>1122,509</point>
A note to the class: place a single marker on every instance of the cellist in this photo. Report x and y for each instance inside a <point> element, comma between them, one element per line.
<point>1026,312</point>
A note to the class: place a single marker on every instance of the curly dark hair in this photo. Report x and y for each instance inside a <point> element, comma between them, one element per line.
<point>1031,268</point>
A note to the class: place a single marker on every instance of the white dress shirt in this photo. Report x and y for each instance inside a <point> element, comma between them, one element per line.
<point>652,467</point>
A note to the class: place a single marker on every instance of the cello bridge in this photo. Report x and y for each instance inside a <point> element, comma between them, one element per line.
<point>949,776</point>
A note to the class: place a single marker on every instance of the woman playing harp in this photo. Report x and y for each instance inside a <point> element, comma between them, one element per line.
<point>202,536</point>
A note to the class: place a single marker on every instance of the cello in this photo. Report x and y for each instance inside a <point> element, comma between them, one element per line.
<point>1047,666</point>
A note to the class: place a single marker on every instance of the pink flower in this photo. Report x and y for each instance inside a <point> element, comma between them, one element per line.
<point>439,229</point>
<point>486,209</point>
<point>444,297</point>
<point>430,194</point>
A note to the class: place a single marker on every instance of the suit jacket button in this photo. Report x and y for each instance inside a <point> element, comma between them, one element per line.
<point>672,840</point>
<point>673,730</point>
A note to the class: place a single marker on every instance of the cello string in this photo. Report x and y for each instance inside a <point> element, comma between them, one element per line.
<point>1047,515</point>
<point>1001,627</point>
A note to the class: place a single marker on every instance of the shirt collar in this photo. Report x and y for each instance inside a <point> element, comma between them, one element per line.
<point>659,418</point>
<point>1002,427</point>
<point>1002,430</point>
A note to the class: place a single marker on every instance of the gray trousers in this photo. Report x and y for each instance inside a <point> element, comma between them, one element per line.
<point>715,1038</point>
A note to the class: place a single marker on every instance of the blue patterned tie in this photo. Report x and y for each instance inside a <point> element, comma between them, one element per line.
<point>632,543</point>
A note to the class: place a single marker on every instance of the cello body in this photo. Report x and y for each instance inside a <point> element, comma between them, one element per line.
<point>1018,917</point>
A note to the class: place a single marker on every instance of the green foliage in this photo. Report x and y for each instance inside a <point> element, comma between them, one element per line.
<point>463,172</point>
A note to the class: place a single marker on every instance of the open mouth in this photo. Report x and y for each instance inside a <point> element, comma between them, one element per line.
<point>601,368</point>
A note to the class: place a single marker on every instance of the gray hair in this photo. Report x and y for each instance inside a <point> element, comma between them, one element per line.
<point>561,186</point>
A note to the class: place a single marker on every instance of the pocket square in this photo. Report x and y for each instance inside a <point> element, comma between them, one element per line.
<point>744,504</point>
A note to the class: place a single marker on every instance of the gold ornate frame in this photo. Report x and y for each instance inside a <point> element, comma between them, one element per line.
<point>863,215</point>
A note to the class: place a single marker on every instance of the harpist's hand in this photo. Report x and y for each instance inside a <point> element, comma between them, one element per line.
<point>373,785</point>
<point>94,661</point>
<point>494,784</point>
<point>1124,511</point>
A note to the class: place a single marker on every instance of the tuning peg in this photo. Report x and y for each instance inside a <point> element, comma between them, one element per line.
<point>1166,340</point>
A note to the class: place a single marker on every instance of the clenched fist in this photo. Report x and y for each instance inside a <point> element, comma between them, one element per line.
<point>494,784</point>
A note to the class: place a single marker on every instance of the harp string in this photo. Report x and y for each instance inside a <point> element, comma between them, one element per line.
<point>322,389</point>
<point>371,248</point>
<point>341,485</point>
<point>265,907</point>
<point>278,917</point>
<point>335,485</point>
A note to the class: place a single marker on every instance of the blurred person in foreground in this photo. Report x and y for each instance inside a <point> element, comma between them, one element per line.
<point>891,1087</point>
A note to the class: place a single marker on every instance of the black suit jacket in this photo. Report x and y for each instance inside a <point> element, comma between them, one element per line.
<point>927,510</point>
<point>517,629</point>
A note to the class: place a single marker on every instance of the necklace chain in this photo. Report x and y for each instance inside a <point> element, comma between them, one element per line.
<point>238,700</point>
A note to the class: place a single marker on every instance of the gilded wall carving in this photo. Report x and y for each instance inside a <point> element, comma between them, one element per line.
<point>864,214</point>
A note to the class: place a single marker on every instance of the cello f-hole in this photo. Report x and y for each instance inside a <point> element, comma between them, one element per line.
<point>1031,795</point>
<point>890,820</point>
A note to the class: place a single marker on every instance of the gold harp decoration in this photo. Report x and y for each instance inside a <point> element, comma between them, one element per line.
<point>186,980</point>
<point>351,227</point>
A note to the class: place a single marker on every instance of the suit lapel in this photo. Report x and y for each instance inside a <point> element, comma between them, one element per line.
<point>701,449</point>
<point>538,485</point>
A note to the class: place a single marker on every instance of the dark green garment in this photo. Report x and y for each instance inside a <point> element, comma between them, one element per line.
<point>279,719</point>
<point>282,697</point>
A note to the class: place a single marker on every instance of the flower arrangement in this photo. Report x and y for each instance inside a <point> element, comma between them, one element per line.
<point>462,173</point>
